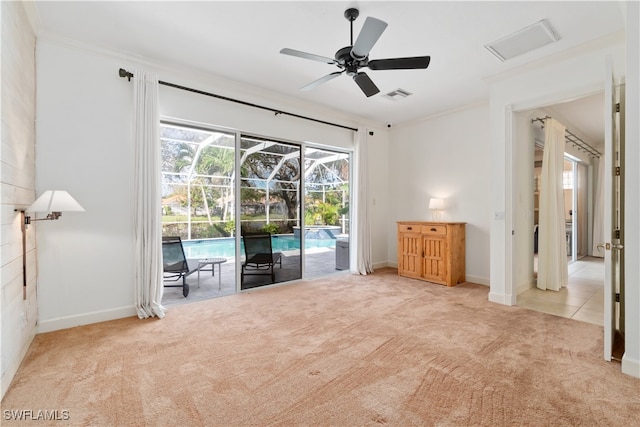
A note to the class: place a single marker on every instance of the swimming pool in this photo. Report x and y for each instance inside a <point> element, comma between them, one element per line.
<point>225,247</point>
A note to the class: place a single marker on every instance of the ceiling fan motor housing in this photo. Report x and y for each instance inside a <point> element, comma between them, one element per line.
<point>348,62</point>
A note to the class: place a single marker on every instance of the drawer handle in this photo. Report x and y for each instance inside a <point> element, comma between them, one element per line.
<point>433,229</point>
<point>409,228</point>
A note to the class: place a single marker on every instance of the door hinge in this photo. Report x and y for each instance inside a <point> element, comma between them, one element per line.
<point>618,107</point>
<point>617,297</point>
<point>617,234</point>
<point>617,170</point>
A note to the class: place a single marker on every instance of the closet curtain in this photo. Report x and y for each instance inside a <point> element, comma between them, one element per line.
<point>361,263</point>
<point>553,272</point>
<point>147,218</point>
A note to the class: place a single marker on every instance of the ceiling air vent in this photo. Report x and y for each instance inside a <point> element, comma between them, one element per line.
<point>394,95</point>
<point>523,41</point>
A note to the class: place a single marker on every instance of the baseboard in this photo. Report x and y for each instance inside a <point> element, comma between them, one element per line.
<point>85,319</point>
<point>12,369</point>
<point>383,265</point>
<point>477,279</point>
<point>503,299</point>
<point>630,366</point>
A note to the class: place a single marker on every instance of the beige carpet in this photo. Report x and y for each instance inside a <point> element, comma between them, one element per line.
<point>344,351</point>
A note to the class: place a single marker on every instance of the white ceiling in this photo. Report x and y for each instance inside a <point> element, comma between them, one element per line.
<point>585,115</point>
<point>241,41</point>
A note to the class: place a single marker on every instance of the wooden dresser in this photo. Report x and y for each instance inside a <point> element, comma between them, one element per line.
<point>432,251</point>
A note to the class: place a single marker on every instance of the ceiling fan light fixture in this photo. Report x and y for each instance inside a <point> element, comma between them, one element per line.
<point>397,94</point>
<point>523,41</point>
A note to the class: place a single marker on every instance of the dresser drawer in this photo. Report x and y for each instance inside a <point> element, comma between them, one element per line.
<point>434,229</point>
<point>409,228</point>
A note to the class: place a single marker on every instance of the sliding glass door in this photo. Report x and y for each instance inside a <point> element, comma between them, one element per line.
<point>327,194</point>
<point>198,205</point>
<point>253,211</point>
<point>270,212</point>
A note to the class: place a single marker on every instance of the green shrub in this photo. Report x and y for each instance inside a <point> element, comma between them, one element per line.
<point>270,228</point>
<point>230,227</point>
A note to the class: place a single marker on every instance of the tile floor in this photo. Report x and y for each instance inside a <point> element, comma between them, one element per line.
<point>582,299</point>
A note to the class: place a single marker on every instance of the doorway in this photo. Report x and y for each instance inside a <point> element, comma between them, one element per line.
<point>577,191</point>
<point>575,184</point>
<point>583,297</point>
<point>326,221</point>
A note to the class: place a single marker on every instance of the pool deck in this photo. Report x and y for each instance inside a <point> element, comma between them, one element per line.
<point>319,262</point>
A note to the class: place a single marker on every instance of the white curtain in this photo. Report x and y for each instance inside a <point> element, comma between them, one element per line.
<point>361,231</point>
<point>553,271</point>
<point>147,194</point>
<point>598,211</point>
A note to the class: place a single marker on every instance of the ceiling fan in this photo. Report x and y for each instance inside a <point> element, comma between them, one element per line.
<point>351,58</point>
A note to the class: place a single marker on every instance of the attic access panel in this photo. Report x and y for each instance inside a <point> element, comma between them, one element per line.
<point>523,41</point>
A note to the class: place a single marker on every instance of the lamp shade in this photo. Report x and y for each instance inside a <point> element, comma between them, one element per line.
<point>55,201</point>
<point>436,203</point>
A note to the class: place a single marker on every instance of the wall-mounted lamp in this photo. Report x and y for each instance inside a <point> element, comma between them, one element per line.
<point>54,202</point>
<point>436,205</point>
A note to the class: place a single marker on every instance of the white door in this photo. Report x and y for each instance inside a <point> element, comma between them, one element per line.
<point>608,201</point>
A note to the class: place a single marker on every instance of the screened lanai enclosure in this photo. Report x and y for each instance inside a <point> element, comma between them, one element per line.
<point>219,186</point>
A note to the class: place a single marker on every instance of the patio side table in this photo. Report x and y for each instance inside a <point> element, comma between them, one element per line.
<point>212,262</point>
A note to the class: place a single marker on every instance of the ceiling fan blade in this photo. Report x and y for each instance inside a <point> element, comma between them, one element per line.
<point>400,63</point>
<point>369,35</point>
<point>368,87</point>
<point>306,55</point>
<point>321,80</point>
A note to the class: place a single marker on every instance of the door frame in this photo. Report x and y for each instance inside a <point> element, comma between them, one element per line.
<point>505,97</point>
<point>514,175</point>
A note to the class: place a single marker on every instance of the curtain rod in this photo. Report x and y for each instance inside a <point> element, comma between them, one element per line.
<point>572,138</point>
<point>124,73</point>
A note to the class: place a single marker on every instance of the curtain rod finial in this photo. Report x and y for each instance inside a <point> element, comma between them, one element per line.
<point>124,73</point>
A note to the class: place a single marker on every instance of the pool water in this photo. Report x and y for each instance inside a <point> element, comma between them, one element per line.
<point>225,247</point>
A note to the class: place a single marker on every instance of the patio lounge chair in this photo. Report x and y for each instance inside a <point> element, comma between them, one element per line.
<point>259,256</point>
<point>175,265</point>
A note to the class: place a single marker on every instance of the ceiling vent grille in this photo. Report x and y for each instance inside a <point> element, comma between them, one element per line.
<point>394,95</point>
<point>524,40</point>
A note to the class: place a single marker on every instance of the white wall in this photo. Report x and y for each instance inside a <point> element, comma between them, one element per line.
<point>449,157</point>
<point>17,166</point>
<point>84,147</point>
